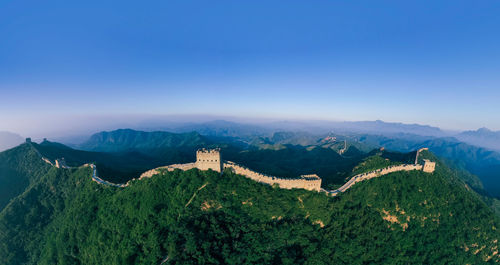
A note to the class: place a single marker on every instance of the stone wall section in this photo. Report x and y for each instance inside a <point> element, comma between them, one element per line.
<point>61,163</point>
<point>210,159</point>
<point>308,182</point>
<point>418,153</point>
<point>374,174</point>
<point>155,171</point>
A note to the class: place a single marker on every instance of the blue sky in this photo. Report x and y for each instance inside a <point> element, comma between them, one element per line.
<point>428,62</point>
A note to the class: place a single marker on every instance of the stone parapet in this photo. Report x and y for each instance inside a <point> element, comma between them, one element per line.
<point>374,174</point>
<point>308,182</point>
<point>211,159</point>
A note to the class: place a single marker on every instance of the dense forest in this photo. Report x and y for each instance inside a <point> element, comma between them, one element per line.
<point>202,217</point>
<point>19,167</point>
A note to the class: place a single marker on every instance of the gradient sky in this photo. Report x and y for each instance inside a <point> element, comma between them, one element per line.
<point>427,62</point>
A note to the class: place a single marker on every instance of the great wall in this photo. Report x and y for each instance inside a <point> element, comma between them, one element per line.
<point>428,167</point>
<point>211,160</point>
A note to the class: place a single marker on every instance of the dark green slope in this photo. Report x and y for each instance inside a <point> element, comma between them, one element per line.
<point>19,167</point>
<point>24,222</point>
<point>118,167</point>
<point>198,217</point>
<point>442,219</point>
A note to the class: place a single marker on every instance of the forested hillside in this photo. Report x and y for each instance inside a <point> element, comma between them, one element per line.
<point>116,167</point>
<point>479,161</point>
<point>19,167</point>
<point>197,217</point>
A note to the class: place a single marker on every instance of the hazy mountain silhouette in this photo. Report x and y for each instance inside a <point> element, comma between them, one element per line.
<point>9,140</point>
<point>482,137</point>
<point>128,139</point>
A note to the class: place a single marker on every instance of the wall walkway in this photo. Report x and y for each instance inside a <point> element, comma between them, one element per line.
<point>308,182</point>
<point>373,174</point>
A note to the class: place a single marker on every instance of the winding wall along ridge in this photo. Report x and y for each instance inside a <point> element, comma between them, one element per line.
<point>374,174</point>
<point>309,182</point>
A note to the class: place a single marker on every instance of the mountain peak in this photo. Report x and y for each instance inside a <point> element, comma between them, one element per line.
<point>484,130</point>
<point>482,137</point>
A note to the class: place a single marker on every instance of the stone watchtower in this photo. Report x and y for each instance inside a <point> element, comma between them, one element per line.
<point>429,166</point>
<point>209,159</point>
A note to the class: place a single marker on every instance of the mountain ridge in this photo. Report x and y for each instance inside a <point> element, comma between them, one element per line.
<point>20,167</point>
<point>482,137</point>
<point>202,216</point>
<point>128,139</point>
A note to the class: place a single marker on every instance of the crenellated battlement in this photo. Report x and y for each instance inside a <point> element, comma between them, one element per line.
<point>308,182</point>
<point>215,151</point>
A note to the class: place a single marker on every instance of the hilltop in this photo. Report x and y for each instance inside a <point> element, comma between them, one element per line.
<point>20,167</point>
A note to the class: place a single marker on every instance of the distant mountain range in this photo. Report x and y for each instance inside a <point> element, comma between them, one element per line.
<point>381,127</point>
<point>482,137</point>
<point>245,130</point>
<point>317,127</point>
<point>242,129</point>
<point>222,128</point>
<point>127,139</point>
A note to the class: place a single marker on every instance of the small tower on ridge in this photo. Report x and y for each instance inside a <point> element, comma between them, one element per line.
<point>209,159</point>
<point>429,166</point>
